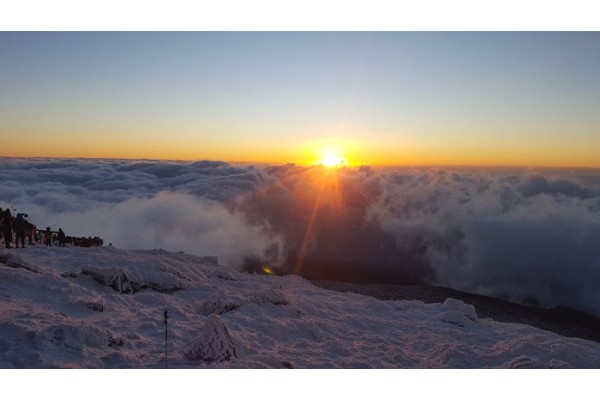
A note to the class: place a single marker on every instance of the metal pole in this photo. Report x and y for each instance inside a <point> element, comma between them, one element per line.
<point>166,314</point>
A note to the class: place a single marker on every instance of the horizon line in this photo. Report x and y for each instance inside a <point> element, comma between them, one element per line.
<point>307,164</point>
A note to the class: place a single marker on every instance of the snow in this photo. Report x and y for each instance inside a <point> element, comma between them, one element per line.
<point>104,308</point>
<point>214,344</point>
<point>457,312</point>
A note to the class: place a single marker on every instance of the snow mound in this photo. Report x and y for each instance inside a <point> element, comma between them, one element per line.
<point>219,306</point>
<point>231,303</point>
<point>457,312</point>
<point>214,343</point>
<point>125,281</point>
<point>130,272</point>
<point>14,261</point>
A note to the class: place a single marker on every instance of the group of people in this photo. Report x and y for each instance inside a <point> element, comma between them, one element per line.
<point>19,229</point>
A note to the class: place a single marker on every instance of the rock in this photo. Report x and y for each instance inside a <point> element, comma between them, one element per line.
<point>115,341</point>
<point>95,306</point>
<point>71,274</point>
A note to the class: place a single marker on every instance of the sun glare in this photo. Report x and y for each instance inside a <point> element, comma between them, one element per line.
<point>332,159</point>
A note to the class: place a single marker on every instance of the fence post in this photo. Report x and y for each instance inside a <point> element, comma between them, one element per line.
<point>166,314</point>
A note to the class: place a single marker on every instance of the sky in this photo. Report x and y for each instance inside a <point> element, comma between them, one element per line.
<point>368,98</point>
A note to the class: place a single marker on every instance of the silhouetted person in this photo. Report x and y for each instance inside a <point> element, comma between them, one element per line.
<point>30,232</point>
<point>61,238</point>
<point>1,226</point>
<point>48,237</point>
<point>7,228</point>
<point>19,227</point>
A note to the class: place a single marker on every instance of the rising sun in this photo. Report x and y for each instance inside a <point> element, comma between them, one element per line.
<point>332,158</point>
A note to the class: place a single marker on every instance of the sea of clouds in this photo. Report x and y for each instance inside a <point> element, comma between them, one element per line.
<point>524,234</point>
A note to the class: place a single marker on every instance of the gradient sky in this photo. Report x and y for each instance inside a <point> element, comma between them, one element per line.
<point>401,98</point>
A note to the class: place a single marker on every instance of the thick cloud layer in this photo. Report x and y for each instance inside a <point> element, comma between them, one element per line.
<point>175,206</point>
<point>521,234</point>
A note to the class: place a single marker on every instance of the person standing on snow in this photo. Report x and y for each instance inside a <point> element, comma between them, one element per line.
<point>61,238</point>
<point>30,232</point>
<point>7,228</point>
<point>1,227</point>
<point>19,225</point>
<point>48,237</point>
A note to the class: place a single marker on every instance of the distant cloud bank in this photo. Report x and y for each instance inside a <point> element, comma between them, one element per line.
<point>528,235</point>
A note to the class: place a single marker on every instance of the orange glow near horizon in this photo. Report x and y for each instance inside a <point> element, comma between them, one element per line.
<point>332,158</point>
<point>329,152</point>
<point>338,99</point>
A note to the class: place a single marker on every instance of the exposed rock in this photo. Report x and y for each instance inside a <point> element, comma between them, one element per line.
<point>96,306</point>
<point>71,274</point>
<point>115,341</point>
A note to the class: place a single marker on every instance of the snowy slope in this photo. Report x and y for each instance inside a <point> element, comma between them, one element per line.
<point>103,308</point>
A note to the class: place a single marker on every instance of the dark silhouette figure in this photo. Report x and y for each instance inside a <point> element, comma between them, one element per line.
<point>19,226</point>
<point>30,232</point>
<point>48,237</point>
<point>7,228</point>
<point>61,238</point>
<point>1,226</point>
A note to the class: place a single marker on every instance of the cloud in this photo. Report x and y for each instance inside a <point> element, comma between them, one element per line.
<point>524,237</point>
<point>521,234</point>
<point>177,222</point>
<point>170,205</point>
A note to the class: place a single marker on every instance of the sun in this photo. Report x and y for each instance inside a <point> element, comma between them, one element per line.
<point>332,158</point>
<point>330,153</point>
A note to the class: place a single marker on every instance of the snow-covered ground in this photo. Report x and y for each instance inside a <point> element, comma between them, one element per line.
<point>104,308</point>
